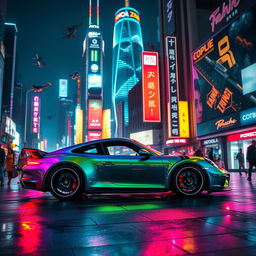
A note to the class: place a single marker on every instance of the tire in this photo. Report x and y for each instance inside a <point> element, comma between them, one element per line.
<point>65,183</point>
<point>188,181</point>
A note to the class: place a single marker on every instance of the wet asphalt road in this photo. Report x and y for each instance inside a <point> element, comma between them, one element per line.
<point>34,223</point>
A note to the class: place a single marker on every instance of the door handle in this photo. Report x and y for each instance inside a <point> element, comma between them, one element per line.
<point>107,163</point>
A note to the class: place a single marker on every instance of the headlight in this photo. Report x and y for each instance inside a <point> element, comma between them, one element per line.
<point>211,162</point>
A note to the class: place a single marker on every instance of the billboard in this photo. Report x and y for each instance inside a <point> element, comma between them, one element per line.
<point>94,60</point>
<point>94,135</point>
<point>63,88</point>
<point>173,85</point>
<point>35,114</point>
<point>94,114</point>
<point>225,77</point>
<point>150,87</point>
<point>106,124</point>
<point>127,13</point>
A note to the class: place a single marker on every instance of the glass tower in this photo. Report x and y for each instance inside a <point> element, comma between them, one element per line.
<point>127,48</point>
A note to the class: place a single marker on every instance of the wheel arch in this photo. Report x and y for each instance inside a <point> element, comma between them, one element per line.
<point>66,163</point>
<point>177,166</point>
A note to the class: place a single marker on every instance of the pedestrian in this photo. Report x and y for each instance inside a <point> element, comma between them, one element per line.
<point>240,158</point>
<point>21,162</point>
<point>251,158</point>
<point>199,152</point>
<point>220,162</point>
<point>9,163</point>
<point>2,160</point>
<point>210,154</point>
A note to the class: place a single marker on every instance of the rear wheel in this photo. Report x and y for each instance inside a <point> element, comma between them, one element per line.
<point>65,183</point>
<point>188,181</point>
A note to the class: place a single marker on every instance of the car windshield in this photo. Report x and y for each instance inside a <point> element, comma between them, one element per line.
<point>154,151</point>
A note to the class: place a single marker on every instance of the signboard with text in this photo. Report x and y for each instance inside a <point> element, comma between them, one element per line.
<point>173,85</point>
<point>224,77</point>
<point>150,87</point>
<point>35,114</point>
<point>94,114</point>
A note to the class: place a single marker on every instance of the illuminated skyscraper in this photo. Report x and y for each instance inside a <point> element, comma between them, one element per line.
<point>93,71</point>
<point>127,48</point>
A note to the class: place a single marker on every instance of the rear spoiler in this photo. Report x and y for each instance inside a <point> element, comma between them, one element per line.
<point>34,153</point>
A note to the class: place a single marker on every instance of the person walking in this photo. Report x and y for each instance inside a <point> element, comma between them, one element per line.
<point>21,162</point>
<point>240,158</point>
<point>251,158</point>
<point>2,160</point>
<point>199,152</point>
<point>9,163</point>
<point>210,154</point>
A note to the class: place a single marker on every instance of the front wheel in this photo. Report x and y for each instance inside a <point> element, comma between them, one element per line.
<point>65,183</point>
<point>188,181</point>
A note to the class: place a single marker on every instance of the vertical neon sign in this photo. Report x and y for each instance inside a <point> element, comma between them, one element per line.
<point>35,114</point>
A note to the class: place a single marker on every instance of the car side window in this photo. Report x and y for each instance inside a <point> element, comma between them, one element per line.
<point>93,149</point>
<point>116,150</point>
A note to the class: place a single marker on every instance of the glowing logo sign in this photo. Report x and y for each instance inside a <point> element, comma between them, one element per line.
<point>127,14</point>
<point>94,135</point>
<point>150,85</point>
<point>35,114</point>
<point>242,136</point>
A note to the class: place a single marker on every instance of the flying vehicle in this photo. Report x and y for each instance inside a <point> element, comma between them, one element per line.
<point>39,63</point>
<point>75,76</point>
<point>119,165</point>
<point>71,31</point>
<point>39,88</point>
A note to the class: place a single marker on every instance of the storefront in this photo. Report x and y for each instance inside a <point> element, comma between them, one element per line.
<point>238,141</point>
<point>179,146</point>
<point>217,146</point>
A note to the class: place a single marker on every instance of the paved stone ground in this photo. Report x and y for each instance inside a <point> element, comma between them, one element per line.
<point>34,223</point>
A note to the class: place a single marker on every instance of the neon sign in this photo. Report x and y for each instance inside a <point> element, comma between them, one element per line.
<point>127,14</point>
<point>221,13</point>
<point>242,136</point>
<point>223,124</point>
<point>150,85</point>
<point>35,114</point>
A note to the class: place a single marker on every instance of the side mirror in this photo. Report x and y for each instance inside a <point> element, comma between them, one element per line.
<point>144,152</point>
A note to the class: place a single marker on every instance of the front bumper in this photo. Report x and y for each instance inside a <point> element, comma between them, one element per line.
<point>219,182</point>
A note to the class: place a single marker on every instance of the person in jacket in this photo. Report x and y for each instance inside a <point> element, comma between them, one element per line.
<point>2,160</point>
<point>251,158</point>
<point>240,159</point>
<point>9,163</point>
<point>21,162</point>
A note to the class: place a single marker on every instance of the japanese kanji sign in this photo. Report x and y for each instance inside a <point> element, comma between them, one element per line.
<point>173,86</point>
<point>150,87</point>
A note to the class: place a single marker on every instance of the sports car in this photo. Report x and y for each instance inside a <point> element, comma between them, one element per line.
<point>119,165</point>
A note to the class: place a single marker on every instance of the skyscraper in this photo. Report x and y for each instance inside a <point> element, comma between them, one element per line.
<point>93,71</point>
<point>127,48</point>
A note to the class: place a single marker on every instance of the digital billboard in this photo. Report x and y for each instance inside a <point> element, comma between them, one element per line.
<point>63,88</point>
<point>225,77</point>
<point>150,85</point>
<point>127,13</point>
<point>94,61</point>
<point>95,114</point>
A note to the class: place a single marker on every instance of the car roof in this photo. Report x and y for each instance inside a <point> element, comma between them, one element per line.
<point>69,149</point>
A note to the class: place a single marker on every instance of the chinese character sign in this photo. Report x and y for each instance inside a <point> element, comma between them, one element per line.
<point>35,114</point>
<point>150,87</point>
<point>173,85</point>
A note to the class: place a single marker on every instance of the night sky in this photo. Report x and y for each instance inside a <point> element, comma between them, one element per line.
<point>41,25</point>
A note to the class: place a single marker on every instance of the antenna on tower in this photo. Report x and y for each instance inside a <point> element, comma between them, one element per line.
<point>127,3</point>
<point>90,12</point>
<point>98,12</point>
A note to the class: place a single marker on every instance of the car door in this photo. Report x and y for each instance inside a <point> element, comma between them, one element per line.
<point>123,167</point>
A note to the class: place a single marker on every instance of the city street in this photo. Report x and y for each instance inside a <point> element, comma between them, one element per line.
<point>34,223</point>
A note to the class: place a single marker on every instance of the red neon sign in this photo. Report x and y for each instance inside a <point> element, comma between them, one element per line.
<point>177,141</point>
<point>150,87</point>
<point>95,114</point>
<point>242,136</point>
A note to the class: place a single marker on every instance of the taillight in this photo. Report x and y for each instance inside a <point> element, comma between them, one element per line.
<point>32,162</point>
